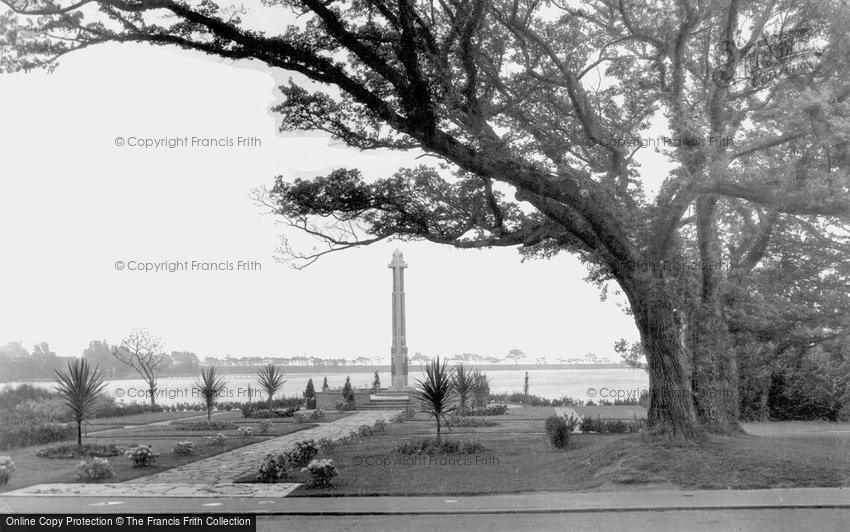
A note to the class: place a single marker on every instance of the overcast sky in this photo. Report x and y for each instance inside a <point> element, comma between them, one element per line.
<point>72,203</point>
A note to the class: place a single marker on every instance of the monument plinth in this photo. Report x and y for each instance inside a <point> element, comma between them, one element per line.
<point>398,352</point>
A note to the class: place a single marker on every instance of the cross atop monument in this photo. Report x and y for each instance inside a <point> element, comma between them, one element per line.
<point>398,260</point>
<point>398,352</point>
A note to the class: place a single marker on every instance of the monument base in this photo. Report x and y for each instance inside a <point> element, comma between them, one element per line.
<point>387,399</point>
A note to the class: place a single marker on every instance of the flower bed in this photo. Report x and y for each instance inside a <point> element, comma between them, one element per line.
<point>74,451</point>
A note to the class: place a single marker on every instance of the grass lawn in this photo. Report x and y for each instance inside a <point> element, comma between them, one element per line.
<point>519,458</point>
<point>105,423</point>
<point>31,470</point>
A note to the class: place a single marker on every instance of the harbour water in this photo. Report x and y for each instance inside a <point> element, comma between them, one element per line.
<point>581,384</point>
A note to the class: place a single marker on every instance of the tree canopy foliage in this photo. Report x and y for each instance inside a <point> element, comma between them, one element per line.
<point>530,109</point>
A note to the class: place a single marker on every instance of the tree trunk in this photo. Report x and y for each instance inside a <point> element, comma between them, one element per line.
<point>715,371</point>
<point>764,404</point>
<point>671,409</point>
<point>152,390</point>
<point>715,368</point>
<point>79,433</point>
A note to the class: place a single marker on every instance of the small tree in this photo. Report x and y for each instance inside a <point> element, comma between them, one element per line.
<point>515,355</point>
<point>325,386</point>
<point>436,392</point>
<point>210,386</point>
<point>348,392</point>
<point>310,395</point>
<point>462,381</point>
<point>78,387</point>
<point>376,384</point>
<point>271,379</point>
<point>143,352</point>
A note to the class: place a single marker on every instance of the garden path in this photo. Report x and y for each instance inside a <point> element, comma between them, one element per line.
<point>226,467</point>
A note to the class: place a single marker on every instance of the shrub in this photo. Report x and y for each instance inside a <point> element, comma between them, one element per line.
<point>184,448</point>
<point>616,426</point>
<point>286,412</point>
<point>274,468</point>
<point>463,421</point>
<point>490,410</point>
<point>566,400</point>
<point>472,447</point>
<point>142,456</point>
<point>298,417</point>
<point>284,407</point>
<point>432,446</point>
<point>380,425</point>
<point>218,439</point>
<point>408,412</point>
<point>398,418</point>
<point>365,430</point>
<point>204,425</point>
<point>321,472</point>
<point>342,406</point>
<point>7,467</point>
<point>326,445</point>
<point>245,432</point>
<point>94,469</point>
<point>558,431</point>
<point>317,414</point>
<point>603,426</point>
<point>79,451</point>
<point>265,426</point>
<point>20,433</point>
<point>12,397</point>
<point>301,454</point>
<point>48,410</point>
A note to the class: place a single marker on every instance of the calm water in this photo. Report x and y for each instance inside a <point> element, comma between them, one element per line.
<point>582,384</point>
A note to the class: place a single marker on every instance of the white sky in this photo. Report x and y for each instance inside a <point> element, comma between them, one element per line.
<point>72,203</point>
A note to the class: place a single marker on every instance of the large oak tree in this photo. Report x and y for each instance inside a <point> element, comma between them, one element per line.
<point>527,98</point>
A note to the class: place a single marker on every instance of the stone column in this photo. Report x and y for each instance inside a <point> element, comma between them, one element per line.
<point>398,357</point>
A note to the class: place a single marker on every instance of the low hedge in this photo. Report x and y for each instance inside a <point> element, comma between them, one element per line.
<point>24,435</point>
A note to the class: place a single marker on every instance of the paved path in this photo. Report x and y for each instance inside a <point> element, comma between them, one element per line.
<point>226,467</point>
<point>517,503</point>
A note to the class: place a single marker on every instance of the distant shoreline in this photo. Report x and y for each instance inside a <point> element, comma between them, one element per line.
<point>336,370</point>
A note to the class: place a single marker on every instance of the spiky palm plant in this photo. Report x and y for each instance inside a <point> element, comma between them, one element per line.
<point>210,386</point>
<point>78,387</point>
<point>271,379</point>
<point>436,392</point>
<point>480,389</point>
<point>462,380</point>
